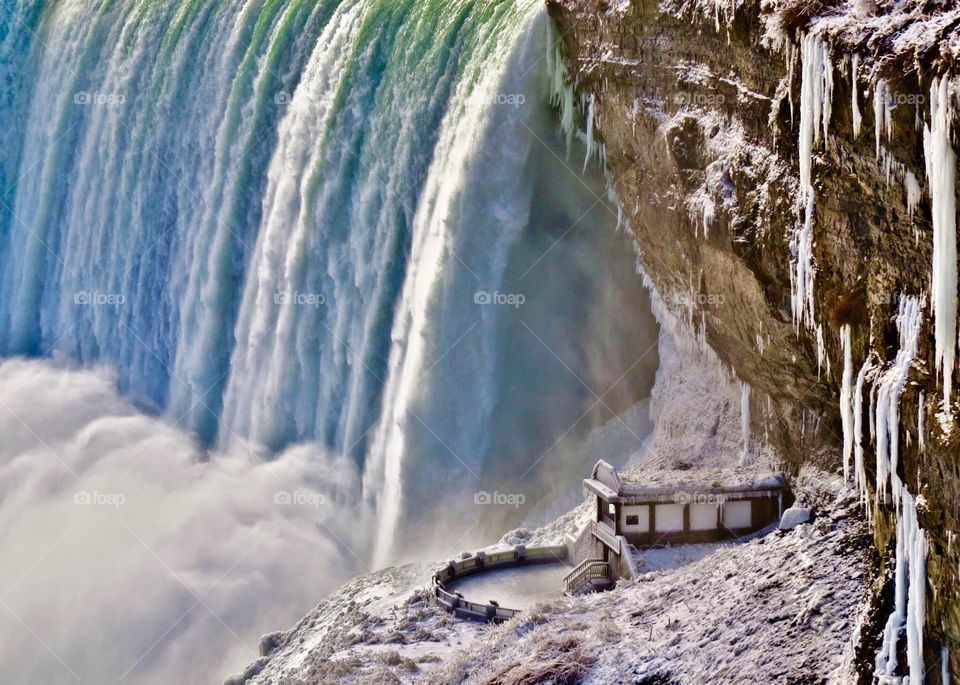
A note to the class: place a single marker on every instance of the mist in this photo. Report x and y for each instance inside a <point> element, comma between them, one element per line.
<point>130,555</point>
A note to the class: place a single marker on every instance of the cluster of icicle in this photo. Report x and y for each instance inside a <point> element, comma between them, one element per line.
<point>816,88</point>
<point>911,550</point>
<point>887,380</point>
<point>561,93</point>
<point>887,383</point>
<point>941,165</point>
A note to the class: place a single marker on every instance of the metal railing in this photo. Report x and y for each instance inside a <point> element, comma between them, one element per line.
<point>470,564</point>
<point>586,572</point>
<point>606,535</point>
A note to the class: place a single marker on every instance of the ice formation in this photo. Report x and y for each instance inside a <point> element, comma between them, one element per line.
<point>909,611</point>
<point>855,105</point>
<point>889,386</point>
<point>860,469</point>
<point>745,456</point>
<point>882,112</point>
<point>910,594</point>
<point>912,188</point>
<point>590,141</point>
<point>941,172</point>
<point>846,397</point>
<point>823,359</point>
<point>815,108</point>
<point>560,86</point>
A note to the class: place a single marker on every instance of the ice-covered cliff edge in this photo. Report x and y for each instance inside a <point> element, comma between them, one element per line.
<point>788,169</point>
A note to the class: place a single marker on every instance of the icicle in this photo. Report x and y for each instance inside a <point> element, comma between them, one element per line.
<point>921,420</point>
<point>916,548</point>
<point>846,400</point>
<point>560,87</point>
<point>889,388</point>
<point>820,350</point>
<point>886,662</point>
<point>860,469</point>
<point>816,89</point>
<point>590,142</point>
<point>909,612</point>
<point>941,172</point>
<point>857,117</point>
<point>745,456</point>
<point>791,69</point>
<point>882,113</point>
<point>912,187</point>
<point>803,276</point>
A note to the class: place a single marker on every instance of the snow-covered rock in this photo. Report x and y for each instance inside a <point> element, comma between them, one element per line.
<point>794,516</point>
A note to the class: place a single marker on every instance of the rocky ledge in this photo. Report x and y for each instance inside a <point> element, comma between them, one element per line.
<point>786,167</point>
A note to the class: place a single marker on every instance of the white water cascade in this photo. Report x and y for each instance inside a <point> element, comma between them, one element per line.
<point>343,262</point>
<point>346,223</point>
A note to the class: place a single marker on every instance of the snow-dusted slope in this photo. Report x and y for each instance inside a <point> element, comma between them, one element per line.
<point>785,604</point>
<point>785,607</point>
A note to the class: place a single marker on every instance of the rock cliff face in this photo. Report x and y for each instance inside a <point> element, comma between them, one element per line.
<point>707,113</point>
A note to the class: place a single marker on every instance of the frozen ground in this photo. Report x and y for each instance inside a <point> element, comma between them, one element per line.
<point>781,608</point>
<point>777,609</point>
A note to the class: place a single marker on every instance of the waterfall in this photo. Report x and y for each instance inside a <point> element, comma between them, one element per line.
<point>342,222</point>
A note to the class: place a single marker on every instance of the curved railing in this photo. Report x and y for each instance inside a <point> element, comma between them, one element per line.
<point>480,562</point>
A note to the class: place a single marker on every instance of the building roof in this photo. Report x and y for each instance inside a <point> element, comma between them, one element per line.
<point>659,484</point>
